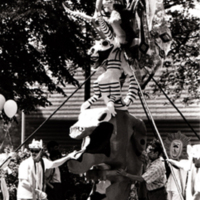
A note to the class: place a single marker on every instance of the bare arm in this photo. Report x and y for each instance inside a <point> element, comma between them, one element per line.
<point>182,164</point>
<point>175,163</point>
<point>134,177</point>
<point>59,162</point>
<point>130,176</point>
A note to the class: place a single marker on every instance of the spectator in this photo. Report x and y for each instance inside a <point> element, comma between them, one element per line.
<point>67,179</point>
<point>7,150</point>
<point>51,146</point>
<point>180,168</point>
<point>4,167</point>
<point>154,177</point>
<point>31,172</point>
<point>54,186</point>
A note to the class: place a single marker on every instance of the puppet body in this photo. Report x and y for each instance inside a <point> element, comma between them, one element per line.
<point>107,84</point>
<point>109,149</point>
<point>138,27</point>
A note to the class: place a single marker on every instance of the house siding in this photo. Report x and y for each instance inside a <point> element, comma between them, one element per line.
<point>166,117</point>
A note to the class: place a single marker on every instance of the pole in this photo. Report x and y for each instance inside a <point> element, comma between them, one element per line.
<point>22,128</point>
<point>158,134</point>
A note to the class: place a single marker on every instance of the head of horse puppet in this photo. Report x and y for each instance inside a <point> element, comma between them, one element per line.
<point>100,51</point>
<point>109,143</point>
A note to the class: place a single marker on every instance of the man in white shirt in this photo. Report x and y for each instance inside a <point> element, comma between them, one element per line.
<point>31,172</point>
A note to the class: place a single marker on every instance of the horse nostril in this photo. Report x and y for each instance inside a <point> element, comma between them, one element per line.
<point>91,51</point>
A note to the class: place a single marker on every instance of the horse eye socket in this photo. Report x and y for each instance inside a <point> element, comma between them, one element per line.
<point>105,43</point>
<point>81,129</point>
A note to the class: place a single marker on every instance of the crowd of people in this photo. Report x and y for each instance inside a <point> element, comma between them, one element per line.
<point>18,175</point>
<point>39,174</point>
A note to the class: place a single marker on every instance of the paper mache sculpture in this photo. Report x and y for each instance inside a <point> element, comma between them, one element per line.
<point>187,163</point>
<point>109,143</point>
<point>107,52</point>
<point>132,34</point>
<point>176,147</point>
<point>108,84</point>
<point>133,37</point>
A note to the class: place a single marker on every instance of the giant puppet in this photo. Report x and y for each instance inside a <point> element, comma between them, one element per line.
<point>187,165</point>
<point>109,143</point>
<point>176,147</point>
<point>134,38</point>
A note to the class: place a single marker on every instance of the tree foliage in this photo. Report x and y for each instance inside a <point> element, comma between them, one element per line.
<point>181,76</point>
<point>40,45</point>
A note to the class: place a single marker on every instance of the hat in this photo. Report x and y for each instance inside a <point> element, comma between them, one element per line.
<point>36,144</point>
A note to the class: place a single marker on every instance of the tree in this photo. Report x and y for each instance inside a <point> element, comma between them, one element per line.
<point>181,76</point>
<point>40,45</point>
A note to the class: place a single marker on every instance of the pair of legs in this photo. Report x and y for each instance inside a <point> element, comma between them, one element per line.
<point>158,194</point>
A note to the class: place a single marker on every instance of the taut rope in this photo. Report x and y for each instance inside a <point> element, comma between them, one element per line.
<point>49,117</point>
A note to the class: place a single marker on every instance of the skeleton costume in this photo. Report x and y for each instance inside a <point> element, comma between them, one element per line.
<point>108,84</point>
<point>135,29</point>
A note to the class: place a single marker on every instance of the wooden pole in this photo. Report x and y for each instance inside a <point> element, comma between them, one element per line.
<point>22,129</point>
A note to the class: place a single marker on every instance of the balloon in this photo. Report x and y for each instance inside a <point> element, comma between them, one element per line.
<point>10,108</point>
<point>2,101</point>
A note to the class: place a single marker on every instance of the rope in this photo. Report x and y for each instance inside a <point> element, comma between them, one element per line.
<point>150,122</point>
<point>49,117</point>
<point>157,132</point>
<point>174,106</point>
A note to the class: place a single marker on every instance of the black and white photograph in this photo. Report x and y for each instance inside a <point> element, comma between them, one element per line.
<point>99,99</point>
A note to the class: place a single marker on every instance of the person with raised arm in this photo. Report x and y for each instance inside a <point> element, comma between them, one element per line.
<point>31,172</point>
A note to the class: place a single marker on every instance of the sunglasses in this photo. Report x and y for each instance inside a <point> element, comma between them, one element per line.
<point>35,150</point>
